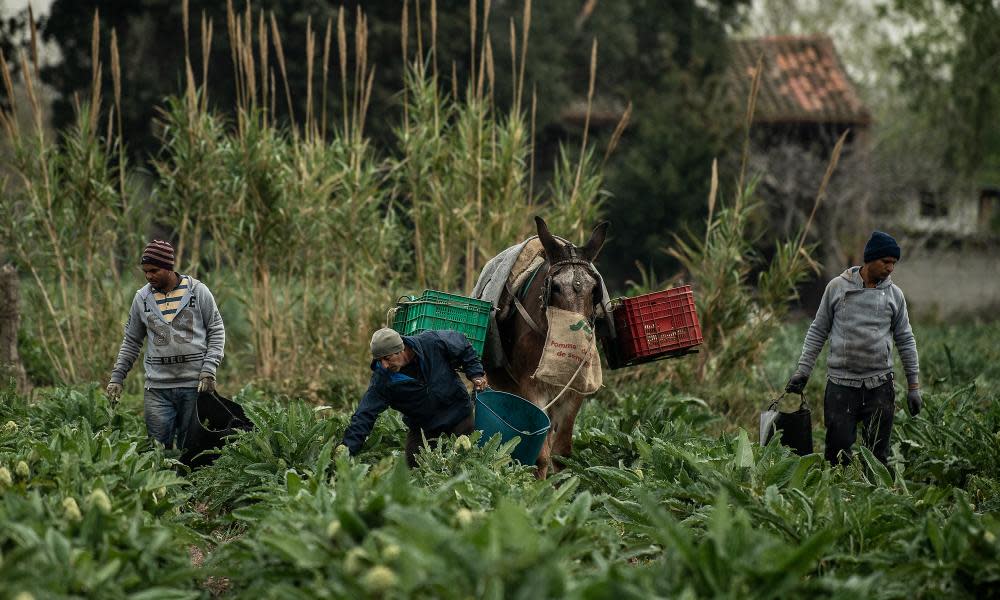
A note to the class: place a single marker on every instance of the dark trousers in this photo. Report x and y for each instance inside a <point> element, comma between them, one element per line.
<point>414,441</point>
<point>846,407</point>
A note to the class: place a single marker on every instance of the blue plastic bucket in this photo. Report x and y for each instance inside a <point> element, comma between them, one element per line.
<point>510,416</point>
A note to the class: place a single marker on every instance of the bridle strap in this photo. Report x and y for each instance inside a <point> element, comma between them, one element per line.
<point>523,312</point>
<point>573,260</point>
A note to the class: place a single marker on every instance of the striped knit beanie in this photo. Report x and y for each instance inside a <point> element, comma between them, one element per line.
<point>158,253</point>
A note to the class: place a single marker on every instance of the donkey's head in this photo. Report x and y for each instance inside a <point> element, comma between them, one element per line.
<point>572,283</point>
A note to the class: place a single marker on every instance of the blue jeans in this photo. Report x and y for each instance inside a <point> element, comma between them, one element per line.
<point>167,412</point>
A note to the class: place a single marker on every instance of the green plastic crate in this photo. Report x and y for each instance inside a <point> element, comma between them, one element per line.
<point>436,310</point>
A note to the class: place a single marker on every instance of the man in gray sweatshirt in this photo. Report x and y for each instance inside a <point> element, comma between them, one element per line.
<point>186,340</point>
<point>862,313</point>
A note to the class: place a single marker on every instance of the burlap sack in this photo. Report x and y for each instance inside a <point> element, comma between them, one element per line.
<point>569,342</point>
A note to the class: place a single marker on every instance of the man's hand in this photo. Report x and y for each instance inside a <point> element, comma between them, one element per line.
<point>480,383</point>
<point>797,383</point>
<point>114,392</point>
<point>914,402</point>
<point>206,383</point>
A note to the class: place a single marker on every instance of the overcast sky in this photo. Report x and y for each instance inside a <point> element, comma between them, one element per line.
<point>39,6</point>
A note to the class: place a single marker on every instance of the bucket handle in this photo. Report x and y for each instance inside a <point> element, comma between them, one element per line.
<point>802,404</point>
<point>504,421</point>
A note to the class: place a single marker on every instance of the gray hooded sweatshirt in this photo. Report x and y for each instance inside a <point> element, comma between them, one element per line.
<point>179,351</point>
<point>860,323</point>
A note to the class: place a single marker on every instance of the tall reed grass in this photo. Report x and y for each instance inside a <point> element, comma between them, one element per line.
<point>67,214</point>
<point>304,231</point>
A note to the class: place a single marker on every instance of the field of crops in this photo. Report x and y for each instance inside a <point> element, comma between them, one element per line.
<point>662,498</point>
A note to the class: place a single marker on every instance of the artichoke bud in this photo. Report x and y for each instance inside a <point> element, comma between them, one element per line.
<point>352,562</point>
<point>99,499</point>
<point>391,552</point>
<point>379,579</point>
<point>332,528</point>
<point>70,509</point>
<point>464,516</point>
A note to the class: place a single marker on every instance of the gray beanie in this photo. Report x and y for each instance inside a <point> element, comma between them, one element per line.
<point>386,341</point>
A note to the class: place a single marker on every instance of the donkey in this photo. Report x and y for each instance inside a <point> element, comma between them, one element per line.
<point>567,280</point>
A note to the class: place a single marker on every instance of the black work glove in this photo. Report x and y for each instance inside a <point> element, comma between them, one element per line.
<point>797,383</point>
<point>914,402</point>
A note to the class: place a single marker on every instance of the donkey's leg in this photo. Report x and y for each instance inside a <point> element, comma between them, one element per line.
<point>537,396</point>
<point>563,418</point>
<point>544,462</point>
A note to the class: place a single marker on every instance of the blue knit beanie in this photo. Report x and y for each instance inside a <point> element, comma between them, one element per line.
<point>881,245</point>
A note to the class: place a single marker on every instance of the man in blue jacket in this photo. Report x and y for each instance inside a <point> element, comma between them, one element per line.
<point>416,375</point>
<point>862,313</point>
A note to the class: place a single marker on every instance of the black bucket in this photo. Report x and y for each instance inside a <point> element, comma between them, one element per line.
<point>213,418</point>
<point>794,428</point>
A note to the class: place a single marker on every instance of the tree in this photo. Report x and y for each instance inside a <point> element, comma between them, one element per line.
<point>947,70</point>
<point>12,30</point>
<point>671,71</point>
<point>151,46</point>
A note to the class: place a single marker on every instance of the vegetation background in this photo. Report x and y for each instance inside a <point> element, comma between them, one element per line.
<point>286,145</point>
<point>312,162</point>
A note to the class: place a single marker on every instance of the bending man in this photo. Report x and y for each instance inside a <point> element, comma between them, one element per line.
<point>416,375</point>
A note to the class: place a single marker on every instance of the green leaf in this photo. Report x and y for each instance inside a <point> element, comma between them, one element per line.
<point>323,459</point>
<point>882,475</point>
<point>161,593</point>
<point>806,464</point>
<point>615,477</point>
<point>293,482</point>
<point>934,536</point>
<point>744,451</point>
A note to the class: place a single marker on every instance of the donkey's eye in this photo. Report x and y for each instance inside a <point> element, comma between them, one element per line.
<point>556,288</point>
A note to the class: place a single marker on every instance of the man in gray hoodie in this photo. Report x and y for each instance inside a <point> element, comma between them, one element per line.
<point>862,313</point>
<point>186,341</point>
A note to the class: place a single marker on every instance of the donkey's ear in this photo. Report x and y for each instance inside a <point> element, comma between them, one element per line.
<point>553,249</point>
<point>593,246</point>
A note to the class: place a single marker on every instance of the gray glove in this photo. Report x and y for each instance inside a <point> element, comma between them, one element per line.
<point>914,402</point>
<point>206,383</point>
<point>797,383</point>
<point>114,392</point>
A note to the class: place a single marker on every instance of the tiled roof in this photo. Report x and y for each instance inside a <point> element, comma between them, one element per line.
<point>803,81</point>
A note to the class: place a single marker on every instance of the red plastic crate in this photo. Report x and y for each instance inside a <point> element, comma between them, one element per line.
<point>655,325</point>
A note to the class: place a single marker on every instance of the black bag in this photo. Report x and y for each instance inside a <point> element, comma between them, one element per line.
<point>795,427</point>
<point>213,418</point>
